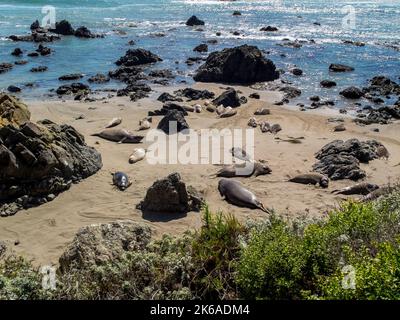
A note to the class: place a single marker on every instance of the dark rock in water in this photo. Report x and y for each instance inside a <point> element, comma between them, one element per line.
<point>39,69</point>
<point>20,62</point>
<point>35,25</point>
<point>341,159</point>
<point>33,54</point>
<point>13,89</point>
<point>241,65</point>
<point>135,57</point>
<point>73,88</point>
<point>212,41</point>
<point>99,78</point>
<point>39,160</point>
<point>352,93</point>
<point>340,68</point>
<point>383,86</point>
<point>64,28</point>
<point>170,195</point>
<point>165,96</point>
<point>17,52</point>
<point>97,244</point>
<point>194,94</point>
<point>382,115</point>
<point>135,90</point>
<point>44,51</point>
<point>4,67</point>
<point>127,74</point>
<point>83,32</point>
<point>72,76</point>
<point>192,60</point>
<point>269,29</point>
<point>297,71</point>
<point>194,21</point>
<point>35,37</point>
<point>290,92</point>
<point>354,43</point>
<point>201,48</point>
<point>315,98</point>
<point>177,121</point>
<point>164,73</point>
<point>229,98</point>
<point>327,83</point>
<point>236,13</point>
<point>291,44</point>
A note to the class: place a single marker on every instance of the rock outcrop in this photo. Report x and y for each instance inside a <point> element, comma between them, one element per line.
<point>229,98</point>
<point>13,111</point>
<point>171,195</point>
<point>173,122</point>
<point>101,243</point>
<point>136,57</point>
<point>341,159</point>
<point>240,65</point>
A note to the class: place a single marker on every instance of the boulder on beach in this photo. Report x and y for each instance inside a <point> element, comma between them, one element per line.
<point>101,243</point>
<point>171,195</point>
<point>73,88</point>
<point>135,57</point>
<point>382,115</point>
<point>13,111</point>
<point>341,159</point>
<point>229,98</point>
<point>194,21</point>
<point>165,96</point>
<point>38,161</point>
<point>239,65</point>
<point>99,78</point>
<point>173,122</point>
<point>195,94</point>
<point>64,28</point>
<point>335,67</point>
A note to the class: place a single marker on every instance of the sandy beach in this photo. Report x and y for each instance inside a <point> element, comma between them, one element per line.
<point>43,232</point>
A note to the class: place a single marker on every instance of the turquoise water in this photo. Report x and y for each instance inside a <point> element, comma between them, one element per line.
<point>377,24</point>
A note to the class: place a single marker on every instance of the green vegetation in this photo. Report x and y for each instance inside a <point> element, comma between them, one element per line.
<point>354,253</point>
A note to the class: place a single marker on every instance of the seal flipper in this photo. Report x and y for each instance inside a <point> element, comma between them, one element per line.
<point>122,140</point>
<point>262,208</point>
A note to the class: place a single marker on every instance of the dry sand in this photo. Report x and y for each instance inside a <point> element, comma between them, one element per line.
<point>43,232</point>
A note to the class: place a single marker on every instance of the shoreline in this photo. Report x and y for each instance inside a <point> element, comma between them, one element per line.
<point>44,231</point>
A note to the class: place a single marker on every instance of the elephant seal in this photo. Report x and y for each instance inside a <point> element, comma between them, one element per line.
<point>118,135</point>
<point>114,122</point>
<point>382,152</point>
<point>220,109</point>
<point>228,112</point>
<point>377,193</point>
<point>230,171</point>
<point>362,188</point>
<point>252,122</point>
<point>235,193</point>
<point>121,180</point>
<point>137,155</point>
<point>275,128</point>
<point>198,108</point>
<point>144,124</point>
<point>265,126</point>
<point>311,178</point>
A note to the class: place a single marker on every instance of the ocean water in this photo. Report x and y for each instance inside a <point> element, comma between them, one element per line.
<point>377,23</point>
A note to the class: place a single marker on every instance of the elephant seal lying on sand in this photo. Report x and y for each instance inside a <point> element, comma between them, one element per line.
<point>362,188</point>
<point>121,180</point>
<point>229,171</point>
<point>236,194</point>
<point>119,135</point>
<point>311,178</point>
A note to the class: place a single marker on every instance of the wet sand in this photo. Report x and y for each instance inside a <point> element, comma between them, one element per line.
<point>43,232</point>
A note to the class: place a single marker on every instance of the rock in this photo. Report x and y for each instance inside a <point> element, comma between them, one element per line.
<point>315,98</point>
<point>127,74</point>
<point>39,69</point>
<point>354,43</point>
<point>269,29</point>
<point>297,71</point>
<point>64,28</point>
<point>12,111</point>
<point>73,88</point>
<point>165,96</point>
<point>41,159</point>
<point>382,115</point>
<point>241,65</point>
<point>340,68</point>
<point>44,51</point>
<point>262,112</point>
<point>163,73</point>
<point>194,94</point>
<point>341,159</point>
<point>290,92</point>
<point>20,62</point>
<point>177,121</point>
<point>254,95</point>
<point>170,195</point>
<point>72,76</point>
<point>98,244</point>
<point>192,60</point>
<point>135,57</point>
<point>17,52</point>
<point>194,21</point>
<point>339,128</point>
<point>4,67</point>
<point>291,44</point>
<point>99,78</point>
<point>229,98</point>
<point>327,83</point>
<point>83,32</point>
<point>236,13</point>
<point>201,48</point>
<point>36,36</point>
<point>168,105</point>
<point>352,93</point>
<point>33,54</point>
<point>35,25</point>
<point>13,89</point>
